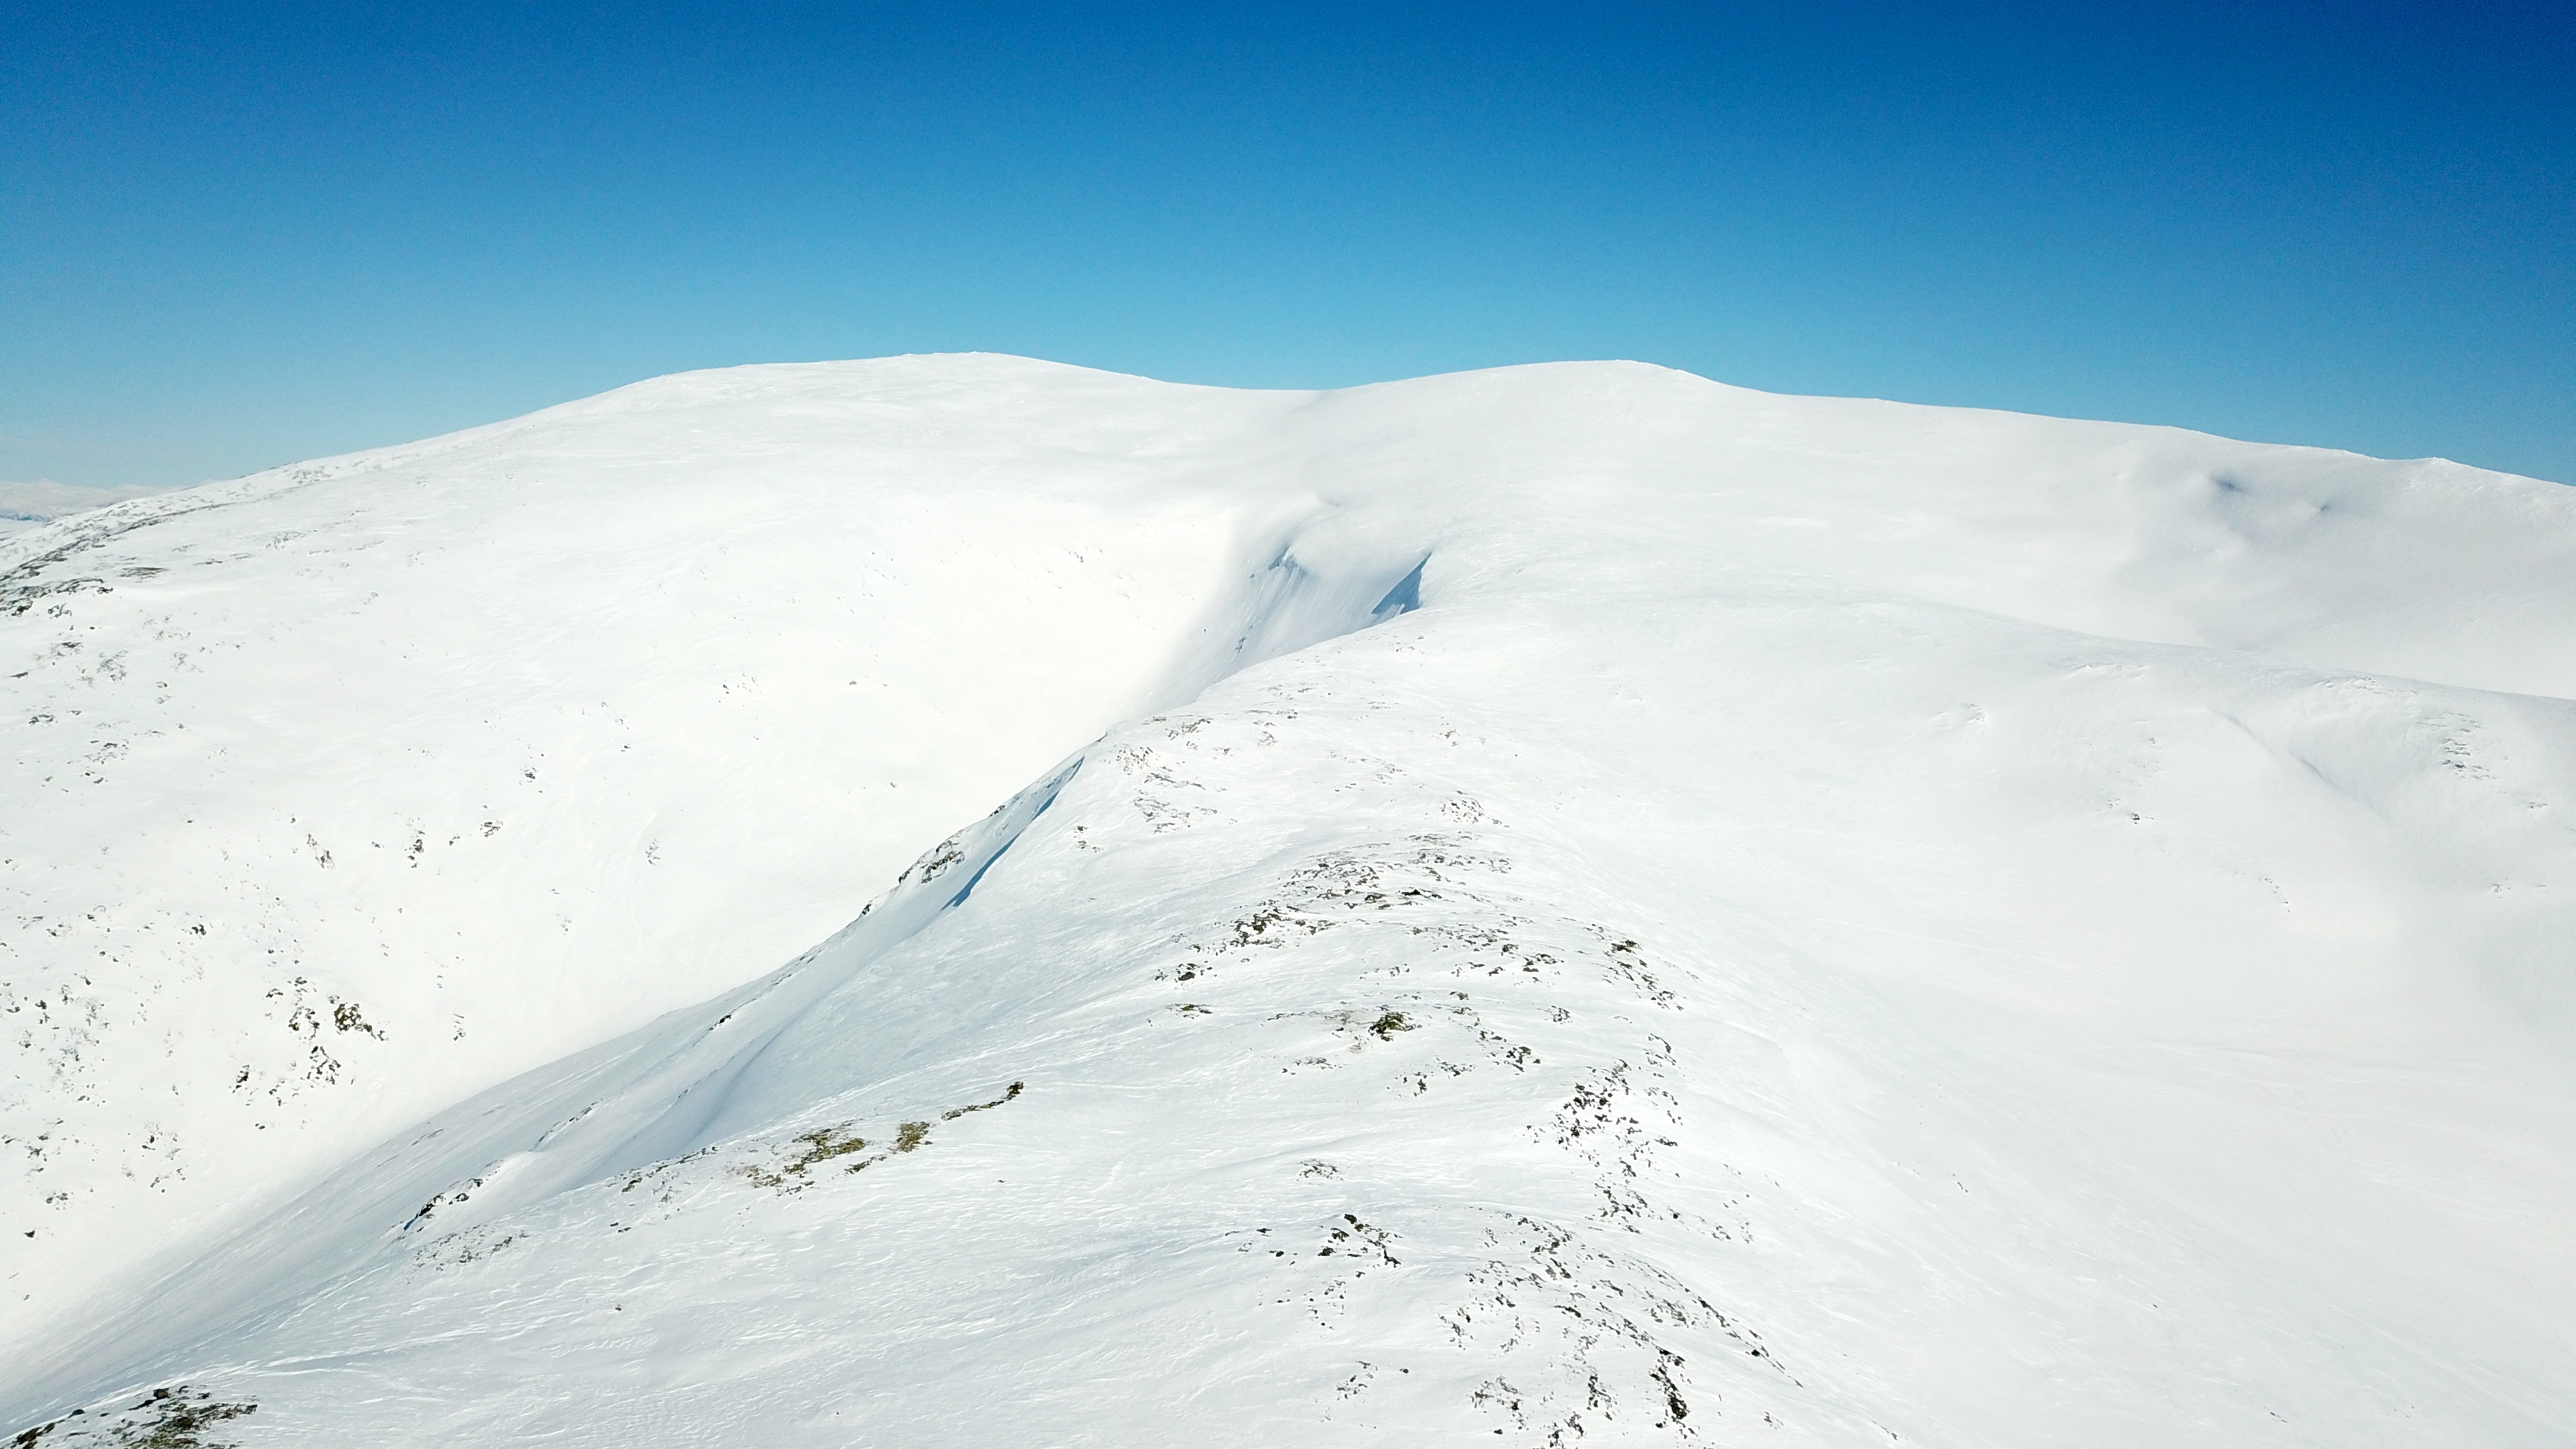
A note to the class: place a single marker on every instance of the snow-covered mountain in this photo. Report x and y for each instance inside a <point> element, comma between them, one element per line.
<point>26,505</point>
<point>1569,903</point>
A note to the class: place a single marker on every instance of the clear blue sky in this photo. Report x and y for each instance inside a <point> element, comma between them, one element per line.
<point>234,235</point>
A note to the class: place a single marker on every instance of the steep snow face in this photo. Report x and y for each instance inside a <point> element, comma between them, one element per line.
<point>1622,909</point>
<point>342,792</point>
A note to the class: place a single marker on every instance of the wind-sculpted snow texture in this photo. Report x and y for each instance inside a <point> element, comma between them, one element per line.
<point>1621,911</point>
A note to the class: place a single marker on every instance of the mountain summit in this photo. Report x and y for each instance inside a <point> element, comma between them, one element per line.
<point>1568,904</point>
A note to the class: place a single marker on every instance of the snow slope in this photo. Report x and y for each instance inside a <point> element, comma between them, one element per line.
<point>1563,903</point>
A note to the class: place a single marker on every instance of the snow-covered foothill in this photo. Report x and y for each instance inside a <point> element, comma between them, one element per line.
<point>1570,903</point>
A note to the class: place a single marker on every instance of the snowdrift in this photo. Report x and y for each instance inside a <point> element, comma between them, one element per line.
<point>1564,904</point>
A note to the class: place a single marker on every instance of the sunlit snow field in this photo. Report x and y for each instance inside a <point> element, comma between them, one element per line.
<point>1563,904</point>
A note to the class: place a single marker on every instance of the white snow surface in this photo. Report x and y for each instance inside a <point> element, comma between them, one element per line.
<point>1562,904</point>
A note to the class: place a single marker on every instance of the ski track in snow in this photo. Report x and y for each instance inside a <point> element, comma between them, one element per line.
<point>1596,908</point>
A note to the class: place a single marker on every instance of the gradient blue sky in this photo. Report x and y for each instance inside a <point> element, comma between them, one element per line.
<point>236,235</point>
